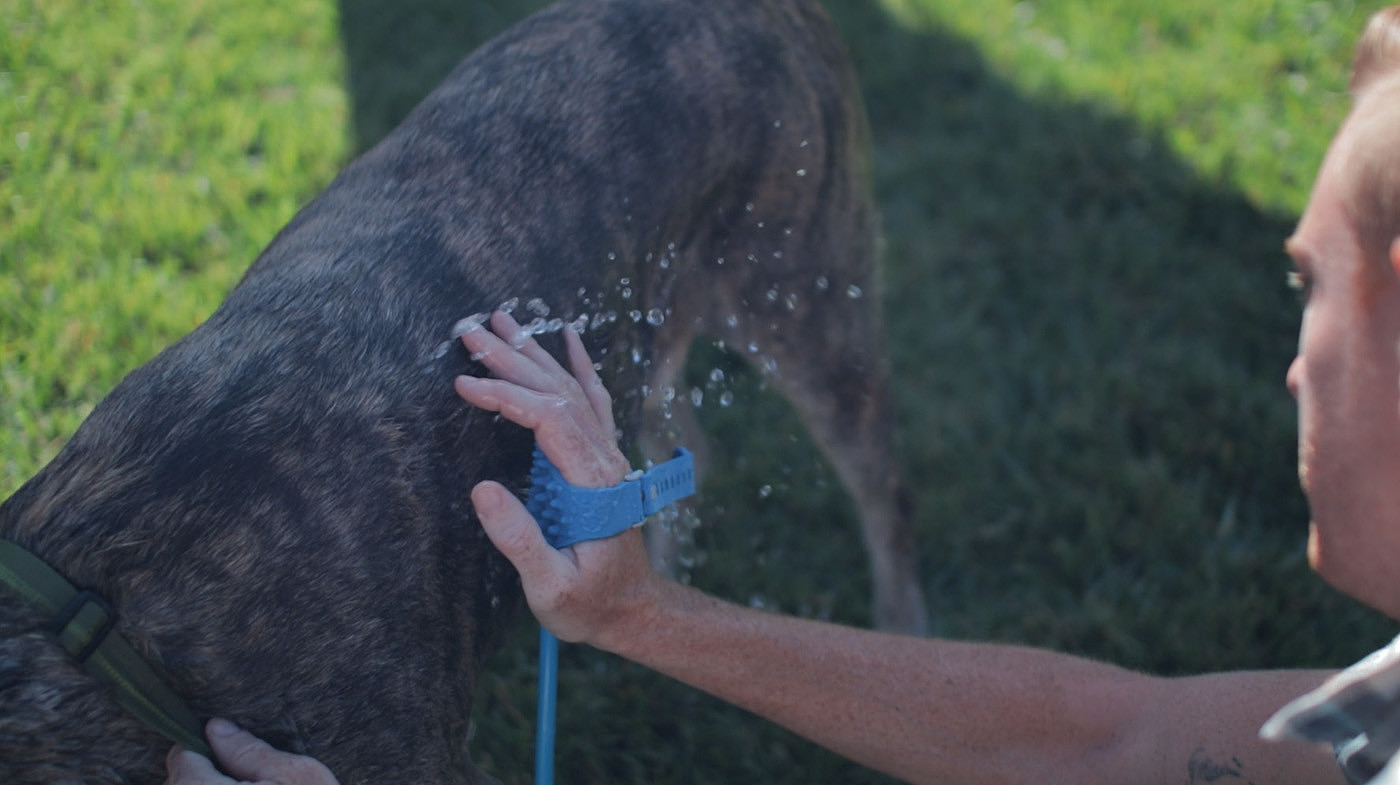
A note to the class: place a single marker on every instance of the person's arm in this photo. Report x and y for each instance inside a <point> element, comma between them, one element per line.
<point>927,710</point>
<point>924,710</point>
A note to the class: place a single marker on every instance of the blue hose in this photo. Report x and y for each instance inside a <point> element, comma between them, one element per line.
<point>567,515</point>
<point>545,703</point>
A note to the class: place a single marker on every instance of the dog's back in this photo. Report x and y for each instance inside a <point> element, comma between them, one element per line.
<point>277,504</point>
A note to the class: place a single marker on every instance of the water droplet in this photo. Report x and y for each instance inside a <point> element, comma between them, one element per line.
<point>732,320</point>
<point>668,394</point>
<point>634,315</point>
<point>442,350</point>
<point>580,324</point>
<point>770,366</point>
<point>717,375</point>
<point>537,307</point>
<point>509,306</point>
<point>822,283</point>
<point>655,317</point>
<point>555,325</point>
<point>765,492</point>
<point>777,254</point>
<point>753,347</point>
<point>726,399</point>
<point>801,172</point>
<point>636,356</point>
<point>777,123</point>
<point>720,260</point>
<point>791,302</point>
<point>772,295</point>
<point>612,257</point>
<point>748,207</point>
<point>626,292</point>
<point>697,396</point>
<point>854,292</point>
<point>464,326</point>
<point>665,262</point>
<point>803,144</point>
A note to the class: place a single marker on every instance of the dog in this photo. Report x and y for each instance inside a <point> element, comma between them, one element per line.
<point>276,506</point>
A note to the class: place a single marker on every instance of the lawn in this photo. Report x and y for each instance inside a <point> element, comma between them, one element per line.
<point>1084,207</point>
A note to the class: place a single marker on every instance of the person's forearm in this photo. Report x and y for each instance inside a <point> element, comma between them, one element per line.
<point>911,707</point>
<point>928,710</point>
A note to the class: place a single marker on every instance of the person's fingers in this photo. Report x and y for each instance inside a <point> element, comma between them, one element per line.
<point>573,425</point>
<point>567,428</point>
<point>500,356</point>
<point>525,343</point>
<point>518,404</point>
<point>190,768</point>
<point>582,367</point>
<point>247,757</point>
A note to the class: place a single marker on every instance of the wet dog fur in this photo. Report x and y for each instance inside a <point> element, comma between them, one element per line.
<point>277,504</point>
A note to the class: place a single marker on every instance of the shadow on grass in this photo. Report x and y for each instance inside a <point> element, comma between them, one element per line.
<point>1089,343</point>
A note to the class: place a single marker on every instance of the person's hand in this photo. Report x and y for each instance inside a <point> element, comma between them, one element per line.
<point>245,756</point>
<point>571,415</point>
<point>588,591</point>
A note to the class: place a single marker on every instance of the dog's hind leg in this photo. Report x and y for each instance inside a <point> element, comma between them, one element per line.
<point>829,363</point>
<point>668,421</point>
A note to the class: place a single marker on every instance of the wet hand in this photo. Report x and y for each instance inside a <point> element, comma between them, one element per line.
<point>590,591</point>
<point>570,413</point>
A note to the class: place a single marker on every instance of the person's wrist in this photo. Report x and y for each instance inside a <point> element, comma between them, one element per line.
<point>636,616</point>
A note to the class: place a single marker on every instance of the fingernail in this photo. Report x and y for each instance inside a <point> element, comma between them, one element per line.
<point>486,498</point>
<point>221,727</point>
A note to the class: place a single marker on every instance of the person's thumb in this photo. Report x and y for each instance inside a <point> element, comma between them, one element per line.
<point>247,757</point>
<point>513,530</point>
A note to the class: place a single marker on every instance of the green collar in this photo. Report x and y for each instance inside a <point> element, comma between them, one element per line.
<point>84,624</point>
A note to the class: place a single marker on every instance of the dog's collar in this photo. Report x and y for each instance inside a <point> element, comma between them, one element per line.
<point>84,624</point>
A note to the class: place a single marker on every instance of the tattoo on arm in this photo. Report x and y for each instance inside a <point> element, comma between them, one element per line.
<point>1202,769</point>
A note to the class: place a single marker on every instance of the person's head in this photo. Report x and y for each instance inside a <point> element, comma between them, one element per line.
<point>1346,377</point>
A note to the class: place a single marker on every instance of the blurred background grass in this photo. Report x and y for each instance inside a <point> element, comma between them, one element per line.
<point>1084,208</point>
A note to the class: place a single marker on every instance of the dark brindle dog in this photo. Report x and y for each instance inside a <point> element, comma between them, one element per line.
<point>277,505</point>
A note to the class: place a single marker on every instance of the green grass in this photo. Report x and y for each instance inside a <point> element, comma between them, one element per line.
<point>1084,206</point>
<point>148,152</point>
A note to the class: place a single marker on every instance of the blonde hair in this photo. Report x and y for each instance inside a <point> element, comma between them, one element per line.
<point>1378,49</point>
<point>1371,170</point>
